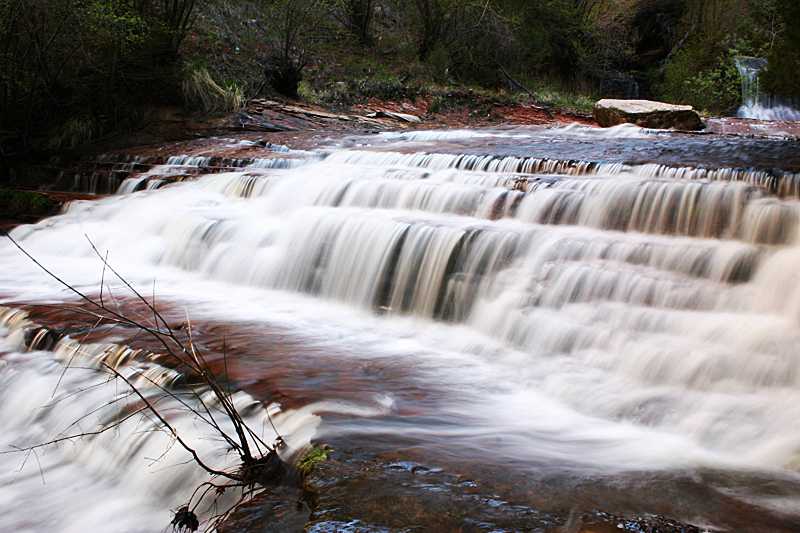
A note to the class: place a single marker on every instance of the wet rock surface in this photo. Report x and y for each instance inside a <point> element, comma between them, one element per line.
<point>275,510</point>
<point>402,496</point>
<point>103,173</point>
<point>232,142</point>
<point>406,497</point>
<point>752,127</point>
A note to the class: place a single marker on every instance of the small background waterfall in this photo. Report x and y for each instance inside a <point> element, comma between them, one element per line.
<point>588,333</point>
<point>756,104</point>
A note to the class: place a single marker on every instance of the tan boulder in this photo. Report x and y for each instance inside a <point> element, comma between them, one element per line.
<point>647,114</point>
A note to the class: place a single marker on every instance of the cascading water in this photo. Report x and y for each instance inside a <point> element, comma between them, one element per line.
<point>622,325</point>
<point>107,450</point>
<point>756,104</point>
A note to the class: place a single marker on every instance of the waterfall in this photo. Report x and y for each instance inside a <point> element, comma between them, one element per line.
<point>583,319</point>
<point>756,104</point>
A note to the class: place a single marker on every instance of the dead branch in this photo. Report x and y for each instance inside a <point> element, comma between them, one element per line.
<point>260,463</point>
<point>542,105</point>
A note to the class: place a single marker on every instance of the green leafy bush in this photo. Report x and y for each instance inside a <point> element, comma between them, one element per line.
<point>61,61</point>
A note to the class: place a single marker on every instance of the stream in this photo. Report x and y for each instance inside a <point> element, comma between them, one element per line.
<point>568,318</point>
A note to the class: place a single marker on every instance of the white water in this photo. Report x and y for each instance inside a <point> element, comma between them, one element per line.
<point>599,324</point>
<point>126,473</point>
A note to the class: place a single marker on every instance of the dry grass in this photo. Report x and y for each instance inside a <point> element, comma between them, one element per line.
<point>201,92</point>
<point>75,131</point>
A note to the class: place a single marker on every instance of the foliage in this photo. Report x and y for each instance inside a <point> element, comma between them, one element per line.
<point>16,203</point>
<point>356,16</point>
<point>550,33</point>
<point>783,74</point>
<point>485,39</point>
<point>230,41</point>
<point>767,25</point>
<point>701,71</point>
<point>76,130</point>
<point>608,43</point>
<point>311,457</point>
<point>61,60</point>
<point>438,22</point>
<point>439,59</point>
<point>78,68</point>
<point>288,21</point>
<point>703,76</point>
<point>345,94</point>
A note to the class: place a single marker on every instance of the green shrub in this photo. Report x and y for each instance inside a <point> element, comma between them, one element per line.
<point>783,73</point>
<point>439,59</point>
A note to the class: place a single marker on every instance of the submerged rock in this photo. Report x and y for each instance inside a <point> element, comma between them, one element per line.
<point>406,497</point>
<point>647,114</point>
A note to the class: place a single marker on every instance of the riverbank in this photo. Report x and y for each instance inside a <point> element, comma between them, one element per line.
<point>169,132</point>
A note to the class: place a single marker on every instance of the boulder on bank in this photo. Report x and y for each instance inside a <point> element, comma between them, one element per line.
<point>647,114</point>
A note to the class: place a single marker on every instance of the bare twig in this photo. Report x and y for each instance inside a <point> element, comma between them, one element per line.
<point>257,458</point>
<point>66,367</point>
